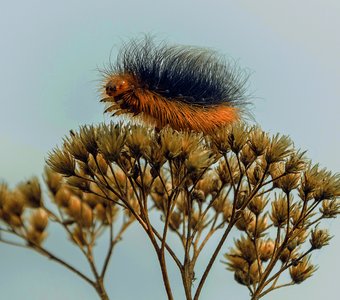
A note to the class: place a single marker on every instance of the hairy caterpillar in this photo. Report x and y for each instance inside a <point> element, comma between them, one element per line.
<point>185,87</point>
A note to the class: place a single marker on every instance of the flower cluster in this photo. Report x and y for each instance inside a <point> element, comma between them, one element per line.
<point>197,185</point>
<point>281,236</point>
<point>84,216</point>
<point>22,212</point>
<point>202,184</point>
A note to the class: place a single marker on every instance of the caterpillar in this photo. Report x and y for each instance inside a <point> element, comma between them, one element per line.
<point>185,87</point>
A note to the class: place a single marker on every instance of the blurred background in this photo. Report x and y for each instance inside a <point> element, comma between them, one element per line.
<point>49,55</point>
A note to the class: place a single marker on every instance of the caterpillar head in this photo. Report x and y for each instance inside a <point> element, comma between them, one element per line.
<point>117,86</point>
<point>118,89</point>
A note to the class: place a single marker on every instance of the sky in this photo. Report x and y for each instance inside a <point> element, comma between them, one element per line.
<point>49,56</point>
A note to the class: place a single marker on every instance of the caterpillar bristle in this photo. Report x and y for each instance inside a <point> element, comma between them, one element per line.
<point>185,87</point>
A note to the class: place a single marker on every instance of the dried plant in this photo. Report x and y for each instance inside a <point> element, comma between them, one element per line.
<point>83,215</point>
<point>238,178</point>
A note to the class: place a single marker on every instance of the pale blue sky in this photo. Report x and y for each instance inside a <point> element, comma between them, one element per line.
<point>48,85</point>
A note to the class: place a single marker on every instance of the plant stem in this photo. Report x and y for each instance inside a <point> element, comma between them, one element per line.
<point>101,289</point>
<point>62,262</point>
<point>213,258</point>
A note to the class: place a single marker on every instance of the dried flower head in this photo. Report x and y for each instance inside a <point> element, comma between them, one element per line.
<point>62,162</point>
<point>198,160</point>
<point>237,137</point>
<point>303,270</point>
<point>88,137</point>
<point>138,140</point>
<point>247,276</point>
<point>266,249</point>
<point>228,171</point>
<point>35,237</point>
<point>75,147</point>
<point>52,179</point>
<point>329,187</point>
<point>220,139</point>
<point>32,192</point>
<point>319,238</point>
<point>288,182</point>
<point>111,140</point>
<point>258,141</point>
<point>309,182</point>
<point>14,203</point>
<point>39,220</point>
<point>258,204</point>
<point>279,213</point>
<point>330,208</point>
<point>175,220</point>
<point>296,162</point>
<point>278,149</point>
<point>257,227</point>
<point>246,217</point>
<point>210,183</point>
<point>245,249</point>
<point>247,156</point>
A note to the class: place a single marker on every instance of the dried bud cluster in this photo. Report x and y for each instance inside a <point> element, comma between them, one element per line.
<point>81,206</point>
<point>262,170</point>
<point>21,212</point>
<point>238,177</point>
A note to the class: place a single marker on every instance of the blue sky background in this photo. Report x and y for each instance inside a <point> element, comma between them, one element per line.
<point>48,85</point>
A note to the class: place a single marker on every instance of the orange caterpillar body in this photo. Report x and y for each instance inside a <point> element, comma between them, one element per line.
<point>174,86</point>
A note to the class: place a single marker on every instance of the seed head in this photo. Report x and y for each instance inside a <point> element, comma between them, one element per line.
<point>32,192</point>
<point>319,238</point>
<point>39,220</point>
<point>302,271</point>
<point>62,162</point>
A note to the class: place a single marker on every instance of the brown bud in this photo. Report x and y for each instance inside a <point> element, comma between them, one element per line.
<point>244,221</point>
<point>79,236</point>
<point>227,210</point>
<point>13,220</point>
<point>303,270</point>
<point>86,215</point>
<point>100,212</point>
<point>15,203</point>
<point>79,183</point>
<point>247,156</point>
<point>257,228</point>
<point>266,250</point>
<point>210,183</point>
<point>288,182</point>
<point>285,255</point>
<point>279,212</point>
<point>91,199</point>
<point>53,180</point>
<point>35,236</point>
<point>62,197</point>
<point>31,192</point>
<point>197,195</point>
<point>292,245</point>
<point>319,238</point>
<point>39,220</point>
<point>196,221</point>
<point>175,220</point>
<point>74,207</point>
<point>102,164</point>
<point>61,161</point>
